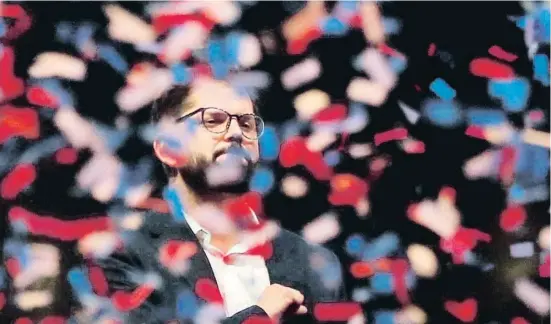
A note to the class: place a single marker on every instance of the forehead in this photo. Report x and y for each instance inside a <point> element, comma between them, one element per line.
<point>218,94</point>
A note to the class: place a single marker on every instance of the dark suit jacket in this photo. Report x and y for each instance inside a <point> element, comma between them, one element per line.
<point>289,266</point>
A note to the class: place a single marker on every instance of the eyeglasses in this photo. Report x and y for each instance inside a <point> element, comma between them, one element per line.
<point>218,121</point>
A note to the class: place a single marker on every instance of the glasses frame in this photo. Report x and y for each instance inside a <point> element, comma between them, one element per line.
<point>228,123</point>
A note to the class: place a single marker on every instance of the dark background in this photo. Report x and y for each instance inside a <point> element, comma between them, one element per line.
<point>463,29</point>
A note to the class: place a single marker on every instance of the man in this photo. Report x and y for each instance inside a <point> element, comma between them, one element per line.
<point>202,127</point>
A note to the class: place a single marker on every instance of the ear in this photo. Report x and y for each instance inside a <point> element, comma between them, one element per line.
<point>161,151</point>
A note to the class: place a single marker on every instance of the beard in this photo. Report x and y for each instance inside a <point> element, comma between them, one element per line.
<point>199,177</point>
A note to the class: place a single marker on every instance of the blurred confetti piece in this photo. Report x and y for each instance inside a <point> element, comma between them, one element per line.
<point>56,228</point>
<point>32,299</point>
<point>44,261</point>
<point>302,22</point>
<point>491,69</point>
<point>358,151</point>
<point>319,140</point>
<point>382,246</point>
<point>262,180</point>
<point>41,96</point>
<point>294,186</point>
<point>533,296</point>
<point>372,23</point>
<point>411,314</point>
<point>378,68</point>
<point>301,73</point>
<point>541,69</point>
<point>500,53</point>
<point>442,113</point>
<point>78,131</point>
<point>322,229</point>
<point>112,57</point>
<point>132,98</point>
<point>182,40</point>
<point>347,189</point>
<point>367,91</point>
<point>249,52</point>
<point>512,93</point>
<point>10,85</point>
<point>127,301</point>
<point>522,250</point>
<point>17,180</point>
<point>66,156</point>
<point>22,22</point>
<point>534,137</point>
<point>225,13</point>
<point>269,143</point>
<point>393,134</point>
<point>442,89</point>
<point>98,244</point>
<point>50,64</point>
<point>466,311</point>
<point>15,121</point>
<point>512,218</point>
<point>422,260</point>
<point>335,312</point>
<point>310,103</point>
<point>126,27</point>
<point>208,291</point>
<point>411,115</point>
<point>543,238</point>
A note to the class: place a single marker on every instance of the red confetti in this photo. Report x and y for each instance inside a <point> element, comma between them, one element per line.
<point>387,50</point>
<point>475,131</point>
<point>393,134</point>
<point>519,320</point>
<point>265,250</point>
<point>66,156</point>
<point>13,267</point>
<point>399,270</point>
<point>22,20</point>
<point>98,281</point>
<point>545,268</point>
<point>512,218</point>
<point>292,152</point>
<point>432,49</point>
<point>41,97</point>
<point>239,208</point>
<point>502,54</point>
<point>315,163</point>
<point>56,228</point>
<point>18,179</point>
<point>298,46</point>
<point>258,319</point>
<point>361,269</point>
<point>164,23</point>
<point>10,85</point>
<point>335,312</point>
<point>208,291</point>
<point>18,122</point>
<point>23,320</point>
<point>465,311</point>
<point>125,301</point>
<point>176,251</point>
<point>488,68</point>
<point>347,189</point>
<point>334,113</point>
<point>414,147</point>
<point>536,115</point>
<point>464,240</point>
<point>2,300</point>
<point>53,320</point>
<point>507,164</point>
<point>356,21</point>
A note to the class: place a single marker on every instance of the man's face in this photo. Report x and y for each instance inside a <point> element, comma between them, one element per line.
<point>211,156</point>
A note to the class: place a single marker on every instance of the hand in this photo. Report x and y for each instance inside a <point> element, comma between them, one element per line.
<point>277,299</point>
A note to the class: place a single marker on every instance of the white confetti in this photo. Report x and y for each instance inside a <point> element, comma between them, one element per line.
<point>127,27</point>
<point>482,165</point>
<point>533,296</point>
<point>376,66</point>
<point>372,24</point>
<point>182,40</point>
<point>439,216</point>
<point>32,299</point>
<point>543,238</point>
<point>78,131</point>
<point>367,91</point>
<point>132,98</point>
<point>423,261</point>
<point>411,314</point>
<point>310,103</point>
<point>98,244</point>
<point>294,186</point>
<point>411,114</point>
<point>358,151</point>
<point>319,140</point>
<point>301,73</point>
<point>225,13</point>
<point>50,64</point>
<point>43,262</point>
<point>522,250</point>
<point>324,228</point>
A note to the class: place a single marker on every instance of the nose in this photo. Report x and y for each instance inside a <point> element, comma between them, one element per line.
<point>234,133</point>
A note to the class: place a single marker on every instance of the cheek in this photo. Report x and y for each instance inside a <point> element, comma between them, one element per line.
<point>202,145</point>
<point>253,151</point>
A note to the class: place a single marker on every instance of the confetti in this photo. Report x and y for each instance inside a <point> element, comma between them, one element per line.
<point>32,299</point>
<point>126,27</point>
<point>534,297</point>
<point>301,73</point>
<point>310,103</point>
<point>522,250</point>
<point>423,261</point>
<point>466,311</point>
<point>500,53</point>
<point>60,65</point>
<point>322,229</point>
<point>366,91</point>
<point>17,180</point>
<point>294,186</point>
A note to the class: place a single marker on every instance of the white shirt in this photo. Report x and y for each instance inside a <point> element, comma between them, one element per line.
<point>242,280</point>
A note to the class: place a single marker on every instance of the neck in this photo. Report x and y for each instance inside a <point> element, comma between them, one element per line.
<point>191,200</point>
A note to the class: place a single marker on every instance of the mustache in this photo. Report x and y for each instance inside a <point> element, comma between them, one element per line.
<point>236,150</point>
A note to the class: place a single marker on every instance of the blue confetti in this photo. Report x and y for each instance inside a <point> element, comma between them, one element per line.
<point>443,113</point>
<point>485,117</point>
<point>83,35</point>
<point>332,26</point>
<point>347,5</point>
<point>391,26</point>
<point>216,59</point>
<point>232,43</point>
<point>541,69</point>
<point>170,195</point>
<point>2,278</point>
<point>542,25</point>
<point>382,282</point>
<point>2,28</point>
<point>186,305</point>
<point>442,89</point>
<point>181,73</point>
<point>382,246</point>
<point>384,317</point>
<point>355,245</point>
<point>113,58</point>
<point>64,32</point>
<point>269,144</point>
<point>262,180</point>
<point>532,164</point>
<point>19,227</point>
<point>79,282</point>
<point>512,93</point>
<point>398,64</point>
<point>114,137</point>
<point>519,194</point>
<point>332,157</point>
<point>54,86</point>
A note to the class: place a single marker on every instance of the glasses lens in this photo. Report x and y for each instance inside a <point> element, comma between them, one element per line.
<point>215,120</point>
<point>252,126</point>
